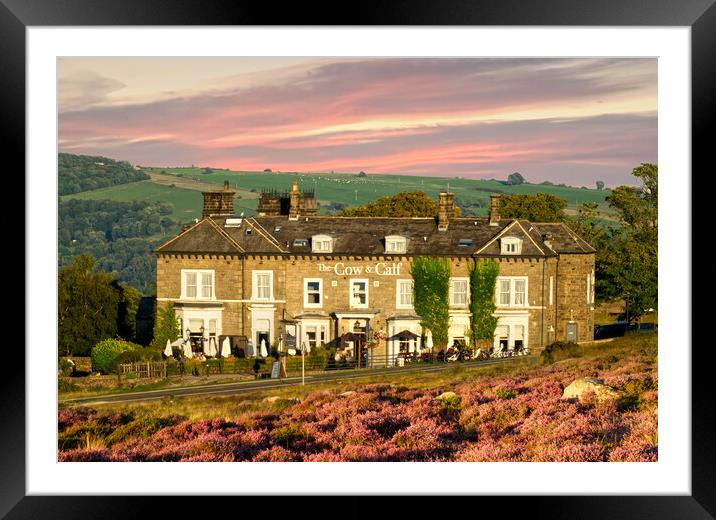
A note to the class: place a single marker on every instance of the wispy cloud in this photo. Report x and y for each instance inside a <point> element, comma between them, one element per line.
<point>476,117</point>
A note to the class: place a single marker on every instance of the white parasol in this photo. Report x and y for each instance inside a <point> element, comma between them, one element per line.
<point>225,348</point>
<point>187,350</point>
<point>212,347</point>
<point>168,349</point>
<point>264,352</point>
<point>206,346</point>
<point>411,345</point>
<point>429,341</point>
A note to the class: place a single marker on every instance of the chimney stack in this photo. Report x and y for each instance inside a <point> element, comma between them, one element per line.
<point>294,202</point>
<point>494,209</point>
<point>446,210</point>
<point>547,239</point>
<point>218,202</point>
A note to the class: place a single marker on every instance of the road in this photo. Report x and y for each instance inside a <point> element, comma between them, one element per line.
<point>252,386</point>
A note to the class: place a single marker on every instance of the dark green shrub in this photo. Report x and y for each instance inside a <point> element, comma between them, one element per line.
<point>66,386</point>
<point>633,389</point>
<point>318,359</point>
<point>558,351</point>
<point>67,368</point>
<point>105,352</point>
<point>504,393</point>
<point>140,428</point>
<point>285,436</point>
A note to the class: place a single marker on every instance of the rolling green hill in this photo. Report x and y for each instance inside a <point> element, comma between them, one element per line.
<point>345,189</point>
<point>165,198</point>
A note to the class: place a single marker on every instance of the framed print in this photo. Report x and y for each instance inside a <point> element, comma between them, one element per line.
<point>41,39</point>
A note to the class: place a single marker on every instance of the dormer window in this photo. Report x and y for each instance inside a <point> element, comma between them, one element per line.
<point>511,246</point>
<point>395,244</point>
<point>322,244</point>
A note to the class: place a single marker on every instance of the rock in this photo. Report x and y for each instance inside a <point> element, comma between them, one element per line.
<point>578,387</point>
<point>446,395</point>
<point>276,398</point>
<point>346,394</point>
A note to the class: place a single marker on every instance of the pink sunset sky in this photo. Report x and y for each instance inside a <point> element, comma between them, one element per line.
<point>565,120</point>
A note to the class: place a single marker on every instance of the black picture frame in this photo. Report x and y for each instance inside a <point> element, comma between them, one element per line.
<point>700,15</point>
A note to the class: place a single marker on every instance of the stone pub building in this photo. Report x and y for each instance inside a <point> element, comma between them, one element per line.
<point>289,275</point>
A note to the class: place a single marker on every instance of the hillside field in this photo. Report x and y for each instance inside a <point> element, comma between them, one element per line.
<point>342,188</point>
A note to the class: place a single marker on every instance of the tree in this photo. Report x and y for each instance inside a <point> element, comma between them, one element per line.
<point>628,261</point>
<point>362,174</point>
<point>206,171</point>
<point>127,312</point>
<point>413,204</point>
<point>431,285</point>
<point>587,225</point>
<point>267,170</point>
<point>540,207</point>
<point>88,304</point>
<point>166,326</point>
<point>600,185</point>
<point>483,277</point>
<point>515,179</point>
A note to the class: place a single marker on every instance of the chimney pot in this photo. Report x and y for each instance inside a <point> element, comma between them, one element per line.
<point>446,210</point>
<point>494,209</point>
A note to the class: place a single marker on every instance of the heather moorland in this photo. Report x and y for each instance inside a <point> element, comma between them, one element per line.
<point>507,413</point>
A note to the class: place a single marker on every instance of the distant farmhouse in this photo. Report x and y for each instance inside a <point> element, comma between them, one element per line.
<point>289,275</point>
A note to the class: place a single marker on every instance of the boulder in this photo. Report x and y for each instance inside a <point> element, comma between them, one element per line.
<point>578,387</point>
<point>446,395</point>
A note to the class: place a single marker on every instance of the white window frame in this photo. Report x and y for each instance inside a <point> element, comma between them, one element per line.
<point>400,241</point>
<point>306,303</point>
<point>512,280</point>
<point>323,240</point>
<point>452,291</point>
<point>508,243</point>
<point>350,293</point>
<point>551,282</point>
<point>199,285</point>
<point>255,285</point>
<point>398,293</point>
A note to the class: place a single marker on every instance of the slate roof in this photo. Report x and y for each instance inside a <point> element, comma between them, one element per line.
<point>365,236</point>
<point>564,240</point>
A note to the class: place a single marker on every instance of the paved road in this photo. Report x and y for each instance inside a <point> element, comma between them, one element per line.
<point>252,386</point>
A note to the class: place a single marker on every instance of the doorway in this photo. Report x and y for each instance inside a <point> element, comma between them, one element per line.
<point>571,332</point>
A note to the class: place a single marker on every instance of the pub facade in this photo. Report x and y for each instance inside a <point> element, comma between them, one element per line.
<point>291,278</point>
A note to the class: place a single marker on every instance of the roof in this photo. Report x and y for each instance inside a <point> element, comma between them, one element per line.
<point>564,240</point>
<point>365,236</point>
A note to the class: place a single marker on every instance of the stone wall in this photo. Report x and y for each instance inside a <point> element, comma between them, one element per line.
<point>572,303</point>
<point>546,322</point>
